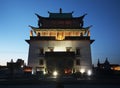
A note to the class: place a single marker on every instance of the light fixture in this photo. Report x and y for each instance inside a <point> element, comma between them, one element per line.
<point>22,66</point>
<point>89,72</point>
<point>44,72</point>
<point>55,73</point>
<point>82,70</point>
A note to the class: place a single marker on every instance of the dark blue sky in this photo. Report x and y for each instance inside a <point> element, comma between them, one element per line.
<point>16,15</point>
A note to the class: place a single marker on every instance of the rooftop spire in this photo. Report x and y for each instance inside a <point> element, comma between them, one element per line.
<point>106,61</point>
<point>98,64</point>
<point>60,10</point>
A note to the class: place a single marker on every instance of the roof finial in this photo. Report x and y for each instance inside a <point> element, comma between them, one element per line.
<point>98,64</point>
<point>60,10</point>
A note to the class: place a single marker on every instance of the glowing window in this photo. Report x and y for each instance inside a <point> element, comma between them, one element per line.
<point>60,36</point>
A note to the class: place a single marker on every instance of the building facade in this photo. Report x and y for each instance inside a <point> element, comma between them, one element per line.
<point>60,43</point>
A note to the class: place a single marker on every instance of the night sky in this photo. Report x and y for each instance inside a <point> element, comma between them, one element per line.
<point>16,15</point>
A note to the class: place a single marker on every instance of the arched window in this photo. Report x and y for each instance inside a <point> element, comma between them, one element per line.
<point>38,34</point>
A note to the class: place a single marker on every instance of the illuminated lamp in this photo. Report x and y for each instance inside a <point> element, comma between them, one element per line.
<point>55,73</point>
<point>89,72</point>
<point>60,36</point>
<point>82,70</point>
<point>44,72</point>
<point>22,66</point>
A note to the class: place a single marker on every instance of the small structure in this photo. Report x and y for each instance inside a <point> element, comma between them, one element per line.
<point>15,68</point>
<point>107,66</point>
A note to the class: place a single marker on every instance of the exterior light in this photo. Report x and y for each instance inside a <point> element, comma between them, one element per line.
<point>22,66</point>
<point>59,48</point>
<point>55,73</point>
<point>82,70</point>
<point>32,71</point>
<point>89,73</point>
<point>44,72</point>
<point>60,36</point>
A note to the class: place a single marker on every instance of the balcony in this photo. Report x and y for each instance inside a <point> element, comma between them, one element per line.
<point>66,38</point>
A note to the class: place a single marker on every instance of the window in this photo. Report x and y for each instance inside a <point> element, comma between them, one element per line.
<point>68,49</point>
<point>38,34</point>
<point>77,61</point>
<point>51,49</point>
<point>77,51</point>
<point>41,51</point>
<point>41,62</point>
<point>81,34</point>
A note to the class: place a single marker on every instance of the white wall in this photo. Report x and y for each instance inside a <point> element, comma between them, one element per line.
<point>84,45</point>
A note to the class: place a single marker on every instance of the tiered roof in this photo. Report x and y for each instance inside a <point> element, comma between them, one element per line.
<point>60,26</point>
<point>60,20</point>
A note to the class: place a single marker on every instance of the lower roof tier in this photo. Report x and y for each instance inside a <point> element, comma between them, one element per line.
<point>72,38</point>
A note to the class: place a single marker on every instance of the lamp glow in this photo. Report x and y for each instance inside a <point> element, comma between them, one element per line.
<point>89,72</point>
<point>22,66</point>
<point>59,48</point>
<point>55,73</point>
<point>82,70</point>
<point>44,72</point>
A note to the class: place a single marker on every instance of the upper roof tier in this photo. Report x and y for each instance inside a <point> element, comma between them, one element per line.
<point>60,15</point>
<point>60,20</point>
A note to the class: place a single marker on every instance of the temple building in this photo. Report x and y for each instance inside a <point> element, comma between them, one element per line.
<point>60,43</point>
<point>106,66</point>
